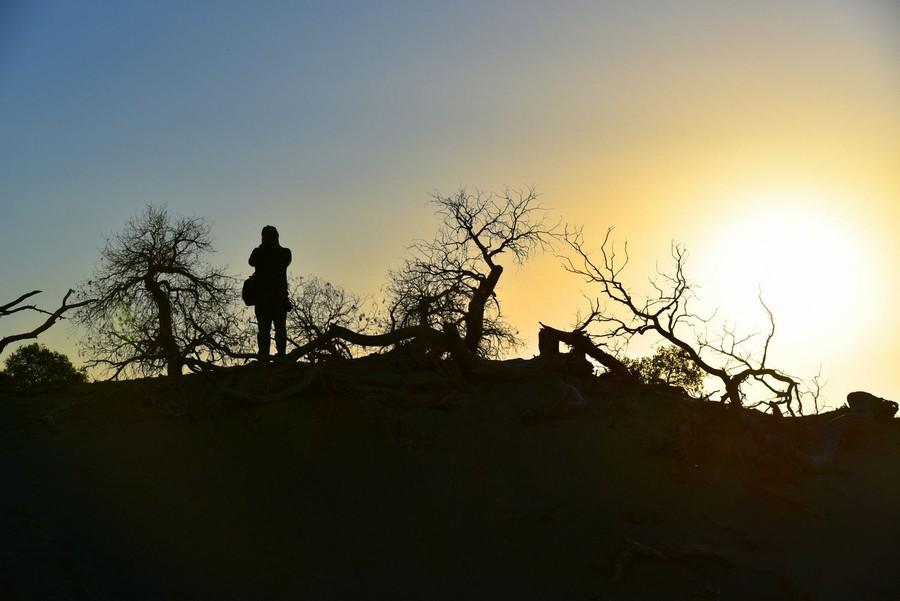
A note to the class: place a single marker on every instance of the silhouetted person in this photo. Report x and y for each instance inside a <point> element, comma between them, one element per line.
<point>271,261</point>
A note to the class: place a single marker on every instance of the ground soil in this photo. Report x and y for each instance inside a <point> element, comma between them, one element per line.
<point>383,481</point>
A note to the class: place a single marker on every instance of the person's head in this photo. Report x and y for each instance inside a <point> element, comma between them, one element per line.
<point>270,235</point>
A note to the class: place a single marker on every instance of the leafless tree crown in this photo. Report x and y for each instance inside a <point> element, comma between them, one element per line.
<point>159,305</point>
<point>452,279</point>
<point>618,314</point>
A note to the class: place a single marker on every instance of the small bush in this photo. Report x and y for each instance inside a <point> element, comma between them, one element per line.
<point>35,366</point>
<point>669,365</point>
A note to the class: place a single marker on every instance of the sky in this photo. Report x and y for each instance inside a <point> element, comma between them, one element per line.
<point>764,136</point>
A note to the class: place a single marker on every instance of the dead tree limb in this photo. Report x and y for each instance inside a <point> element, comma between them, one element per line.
<point>52,317</point>
<point>10,308</point>
<point>548,346</point>
<point>448,340</point>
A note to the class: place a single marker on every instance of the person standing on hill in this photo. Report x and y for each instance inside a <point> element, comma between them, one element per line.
<point>271,261</point>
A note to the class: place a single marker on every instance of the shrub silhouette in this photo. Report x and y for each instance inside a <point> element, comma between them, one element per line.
<point>35,366</point>
<point>669,365</point>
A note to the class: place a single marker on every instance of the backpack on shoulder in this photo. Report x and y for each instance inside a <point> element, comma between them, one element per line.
<point>249,293</point>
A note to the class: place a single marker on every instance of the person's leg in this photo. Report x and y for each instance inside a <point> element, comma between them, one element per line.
<point>263,335</point>
<point>280,321</point>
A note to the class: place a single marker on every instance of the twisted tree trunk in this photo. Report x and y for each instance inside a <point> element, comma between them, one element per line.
<point>165,339</point>
<point>475,311</point>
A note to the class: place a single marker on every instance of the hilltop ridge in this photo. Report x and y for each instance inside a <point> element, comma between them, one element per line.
<point>377,478</point>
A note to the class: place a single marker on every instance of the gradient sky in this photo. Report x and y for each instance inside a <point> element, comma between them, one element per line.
<point>763,135</point>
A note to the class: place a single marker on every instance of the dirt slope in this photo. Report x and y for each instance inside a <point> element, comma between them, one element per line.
<point>381,482</point>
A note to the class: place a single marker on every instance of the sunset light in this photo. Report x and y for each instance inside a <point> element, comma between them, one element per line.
<point>812,262</point>
<point>474,299</point>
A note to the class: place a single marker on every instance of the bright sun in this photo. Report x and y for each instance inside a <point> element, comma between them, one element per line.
<point>812,265</point>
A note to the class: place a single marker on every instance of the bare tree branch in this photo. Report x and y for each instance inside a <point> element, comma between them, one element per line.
<point>453,278</point>
<point>317,305</point>
<point>158,301</point>
<point>52,317</point>
<point>668,314</point>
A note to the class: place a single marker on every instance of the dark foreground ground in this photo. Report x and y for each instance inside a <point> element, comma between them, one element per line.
<point>379,482</point>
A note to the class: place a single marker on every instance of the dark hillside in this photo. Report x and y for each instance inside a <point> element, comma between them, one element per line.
<point>374,480</point>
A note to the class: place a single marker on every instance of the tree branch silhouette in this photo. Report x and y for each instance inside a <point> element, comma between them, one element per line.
<point>153,289</point>
<point>52,316</point>
<point>667,313</point>
<point>453,278</point>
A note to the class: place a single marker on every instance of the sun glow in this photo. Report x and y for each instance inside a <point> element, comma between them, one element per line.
<point>812,266</point>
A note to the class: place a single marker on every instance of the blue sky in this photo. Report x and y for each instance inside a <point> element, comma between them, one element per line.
<point>258,112</point>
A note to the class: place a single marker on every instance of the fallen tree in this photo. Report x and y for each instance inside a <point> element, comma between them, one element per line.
<point>580,342</point>
<point>447,340</point>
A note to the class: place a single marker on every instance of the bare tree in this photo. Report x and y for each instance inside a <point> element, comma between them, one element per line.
<point>452,279</point>
<point>730,358</point>
<point>318,305</point>
<point>16,306</point>
<point>159,304</point>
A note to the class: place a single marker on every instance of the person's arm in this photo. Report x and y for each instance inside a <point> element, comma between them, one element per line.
<point>287,257</point>
<point>253,257</point>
